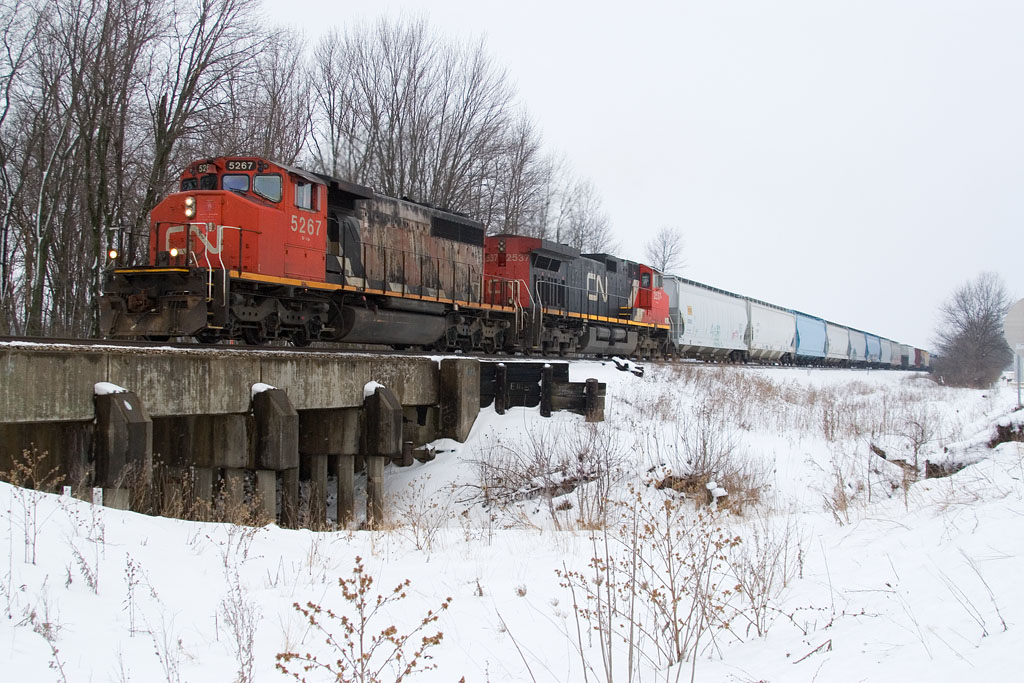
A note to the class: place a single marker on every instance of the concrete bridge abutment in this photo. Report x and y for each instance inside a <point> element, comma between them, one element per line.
<point>189,429</point>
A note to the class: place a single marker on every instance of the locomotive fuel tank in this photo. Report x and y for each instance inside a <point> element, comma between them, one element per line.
<point>370,326</point>
<point>607,340</point>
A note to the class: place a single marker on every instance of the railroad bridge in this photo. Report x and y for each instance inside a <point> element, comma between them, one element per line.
<point>197,432</point>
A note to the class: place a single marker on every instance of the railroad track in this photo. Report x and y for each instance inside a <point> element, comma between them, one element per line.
<point>327,348</point>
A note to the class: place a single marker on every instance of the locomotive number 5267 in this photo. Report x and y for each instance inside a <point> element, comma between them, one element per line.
<point>306,226</point>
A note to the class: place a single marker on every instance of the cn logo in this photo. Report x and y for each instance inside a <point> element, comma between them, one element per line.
<point>204,237</point>
<point>597,287</point>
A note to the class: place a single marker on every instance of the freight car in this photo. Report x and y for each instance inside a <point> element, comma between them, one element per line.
<point>811,339</point>
<point>248,249</point>
<point>707,323</point>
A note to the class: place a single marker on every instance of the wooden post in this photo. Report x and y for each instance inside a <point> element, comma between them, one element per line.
<point>382,441</point>
<point>593,410</point>
<point>546,383</point>
<point>290,506</point>
<point>406,458</point>
<point>500,389</point>
<point>266,494</point>
<point>346,466</point>
<point>317,490</point>
<point>374,491</point>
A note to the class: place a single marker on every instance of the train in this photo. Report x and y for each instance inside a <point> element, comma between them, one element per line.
<point>254,251</point>
<point>714,324</point>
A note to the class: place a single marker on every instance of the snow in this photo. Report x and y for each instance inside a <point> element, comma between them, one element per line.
<point>370,388</point>
<point>260,387</point>
<point>106,388</point>
<point>886,579</point>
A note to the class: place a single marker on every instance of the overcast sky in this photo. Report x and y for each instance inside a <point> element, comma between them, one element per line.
<point>855,160</point>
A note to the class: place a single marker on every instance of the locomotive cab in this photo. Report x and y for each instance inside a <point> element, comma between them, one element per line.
<point>233,214</point>
<point>231,220</point>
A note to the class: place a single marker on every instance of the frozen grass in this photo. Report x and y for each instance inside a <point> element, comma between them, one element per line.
<point>562,551</point>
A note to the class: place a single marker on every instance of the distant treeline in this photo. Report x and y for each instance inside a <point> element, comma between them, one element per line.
<point>104,101</point>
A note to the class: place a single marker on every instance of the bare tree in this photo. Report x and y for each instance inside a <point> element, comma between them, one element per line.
<point>336,143</point>
<point>102,101</point>
<point>96,97</point>
<point>208,42</point>
<point>664,252</point>
<point>583,223</point>
<point>401,109</point>
<point>266,108</point>
<point>15,28</point>
<point>511,190</point>
<point>107,43</point>
<point>969,343</point>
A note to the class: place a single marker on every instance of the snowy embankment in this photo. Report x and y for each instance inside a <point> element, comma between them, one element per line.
<point>824,561</point>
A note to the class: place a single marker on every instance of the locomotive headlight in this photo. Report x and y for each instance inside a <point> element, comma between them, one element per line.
<point>190,207</point>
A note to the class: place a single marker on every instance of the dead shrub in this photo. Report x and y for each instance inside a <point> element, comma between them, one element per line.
<point>656,584</point>
<point>549,462</point>
<point>364,646</point>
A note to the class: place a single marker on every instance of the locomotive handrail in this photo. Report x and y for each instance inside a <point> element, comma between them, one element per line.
<point>220,257</point>
<point>191,257</point>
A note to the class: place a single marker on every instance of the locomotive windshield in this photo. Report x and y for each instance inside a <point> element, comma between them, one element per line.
<point>235,182</point>
<point>268,186</point>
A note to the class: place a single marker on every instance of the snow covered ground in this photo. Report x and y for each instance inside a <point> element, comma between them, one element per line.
<point>823,562</point>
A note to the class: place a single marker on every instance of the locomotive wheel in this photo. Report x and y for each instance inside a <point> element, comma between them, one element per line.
<point>252,336</point>
<point>207,337</point>
<point>447,342</point>
<point>300,339</point>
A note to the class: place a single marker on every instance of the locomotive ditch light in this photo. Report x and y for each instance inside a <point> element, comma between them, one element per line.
<point>174,252</point>
<point>112,254</point>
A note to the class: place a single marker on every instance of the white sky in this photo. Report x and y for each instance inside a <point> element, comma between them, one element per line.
<point>856,160</point>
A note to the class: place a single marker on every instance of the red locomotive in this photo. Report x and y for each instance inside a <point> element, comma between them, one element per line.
<point>253,250</point>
